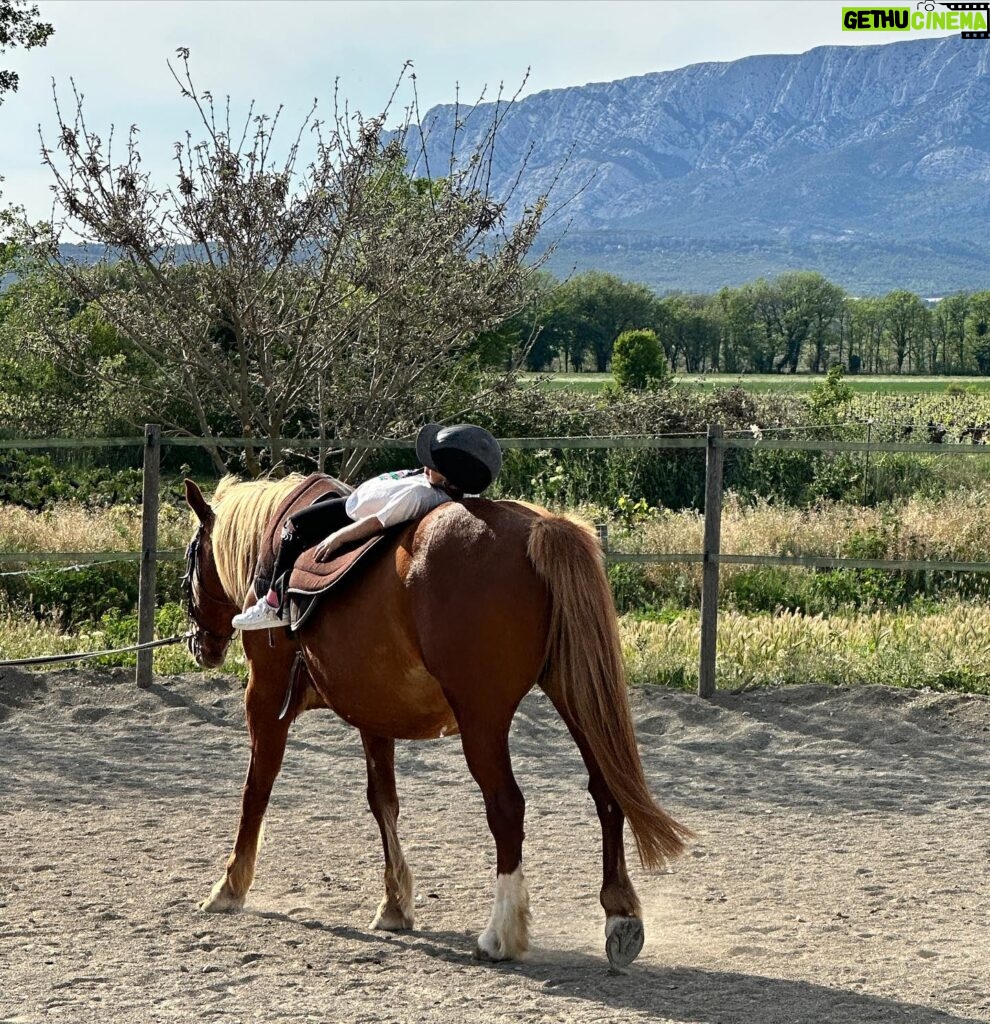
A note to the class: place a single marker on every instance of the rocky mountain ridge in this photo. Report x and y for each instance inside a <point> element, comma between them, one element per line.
<point>868,163</point>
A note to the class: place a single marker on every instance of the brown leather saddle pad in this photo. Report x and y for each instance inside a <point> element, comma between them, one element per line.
<point>310,579</point>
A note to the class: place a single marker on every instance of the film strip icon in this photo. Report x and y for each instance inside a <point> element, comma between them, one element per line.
<point>984,7</point>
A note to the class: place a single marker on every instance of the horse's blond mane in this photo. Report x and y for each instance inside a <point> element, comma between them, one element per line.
<point>243,509</point>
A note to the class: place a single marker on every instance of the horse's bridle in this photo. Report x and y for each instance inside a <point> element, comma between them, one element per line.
<point>192,570</point>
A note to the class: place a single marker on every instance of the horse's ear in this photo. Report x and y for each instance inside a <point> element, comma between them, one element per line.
<point>199,504</point>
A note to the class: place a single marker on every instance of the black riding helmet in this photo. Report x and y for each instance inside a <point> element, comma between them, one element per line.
<point>468,456</point>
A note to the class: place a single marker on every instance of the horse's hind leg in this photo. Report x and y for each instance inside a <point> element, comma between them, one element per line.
<point>262,703</point>
<point>486,748</point>
<point>623,914</point>
<point>396,910</point>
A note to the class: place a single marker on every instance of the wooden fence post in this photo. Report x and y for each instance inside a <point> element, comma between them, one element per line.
<point>710,552</point>
<point>149,546</point>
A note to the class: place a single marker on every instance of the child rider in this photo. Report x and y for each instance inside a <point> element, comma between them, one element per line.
<point>457,460</point>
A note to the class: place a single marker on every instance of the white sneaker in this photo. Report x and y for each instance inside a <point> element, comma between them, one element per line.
<point>259,616</point>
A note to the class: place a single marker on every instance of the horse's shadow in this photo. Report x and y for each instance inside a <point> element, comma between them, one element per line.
<point>176,699</point>
<point>678,993</point>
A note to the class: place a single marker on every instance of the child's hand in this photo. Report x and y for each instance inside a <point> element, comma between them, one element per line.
<point>360,530</point>
<point>326,548</point>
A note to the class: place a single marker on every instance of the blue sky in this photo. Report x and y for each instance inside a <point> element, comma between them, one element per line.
<point>291,51</point>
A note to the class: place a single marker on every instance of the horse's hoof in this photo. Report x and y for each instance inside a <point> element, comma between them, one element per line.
<point>488,948</point>
<point>391,919</point>
<point>221,900</point>
<point>623,940</point>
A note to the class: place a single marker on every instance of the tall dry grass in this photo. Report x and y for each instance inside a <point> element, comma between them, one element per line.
<point>945,649</point>
<point>70,527</point>
<point>955,528</point>
<point>22,636</point>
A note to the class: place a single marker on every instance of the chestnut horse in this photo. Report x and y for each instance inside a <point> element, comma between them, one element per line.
<point>445,632</point>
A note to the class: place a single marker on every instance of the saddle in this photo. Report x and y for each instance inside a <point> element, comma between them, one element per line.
<point>310,579</point>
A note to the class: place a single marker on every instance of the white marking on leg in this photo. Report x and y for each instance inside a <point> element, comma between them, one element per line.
<point>395,913</point>
<point>222,900</point>
<point>507,934</point>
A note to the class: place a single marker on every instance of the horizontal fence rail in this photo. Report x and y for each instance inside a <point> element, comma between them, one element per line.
<point>84,560</point>
<point>787,444</point>
<point>632,441</point>
<point>82,557</point>
<point>828,562</point>
<point>710,557</point>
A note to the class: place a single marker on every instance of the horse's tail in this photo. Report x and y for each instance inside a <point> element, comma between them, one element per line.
<point>584,671</point>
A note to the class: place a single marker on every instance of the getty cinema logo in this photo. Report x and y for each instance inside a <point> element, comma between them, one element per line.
<point>969,19</point>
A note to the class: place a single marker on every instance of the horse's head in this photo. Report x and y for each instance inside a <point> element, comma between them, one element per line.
<point>208,606</point>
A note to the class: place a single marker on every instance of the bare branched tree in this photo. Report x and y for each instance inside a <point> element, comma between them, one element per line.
<point>282,296</point>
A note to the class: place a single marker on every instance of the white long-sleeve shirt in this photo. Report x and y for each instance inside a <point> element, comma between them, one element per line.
<point>395,497</point>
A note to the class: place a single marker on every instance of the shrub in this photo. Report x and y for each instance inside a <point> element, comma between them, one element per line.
<point>632,588</point>
<point>638,361</point>
<point>830,397</point>
<point>674,478</point>
<point>37,482</point>
<point>84,595</point>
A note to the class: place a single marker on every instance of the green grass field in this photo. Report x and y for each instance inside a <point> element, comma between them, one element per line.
<point>795,383</point>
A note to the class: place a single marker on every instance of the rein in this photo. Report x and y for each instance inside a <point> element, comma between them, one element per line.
<point>52,658</point>
<point>189,636</point>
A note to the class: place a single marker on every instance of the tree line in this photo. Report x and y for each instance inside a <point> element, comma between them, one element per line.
<point>797,322</point>
<point>86,350</point>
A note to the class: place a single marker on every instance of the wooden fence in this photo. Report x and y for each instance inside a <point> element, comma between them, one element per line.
<point>711,556</point>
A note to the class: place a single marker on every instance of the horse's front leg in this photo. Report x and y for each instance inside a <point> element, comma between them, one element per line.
<point>396,910</point>
<point>486,748</point>
<point>262,702</point>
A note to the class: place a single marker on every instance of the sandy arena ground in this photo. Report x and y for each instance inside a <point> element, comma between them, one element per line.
<point>840,873</point>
